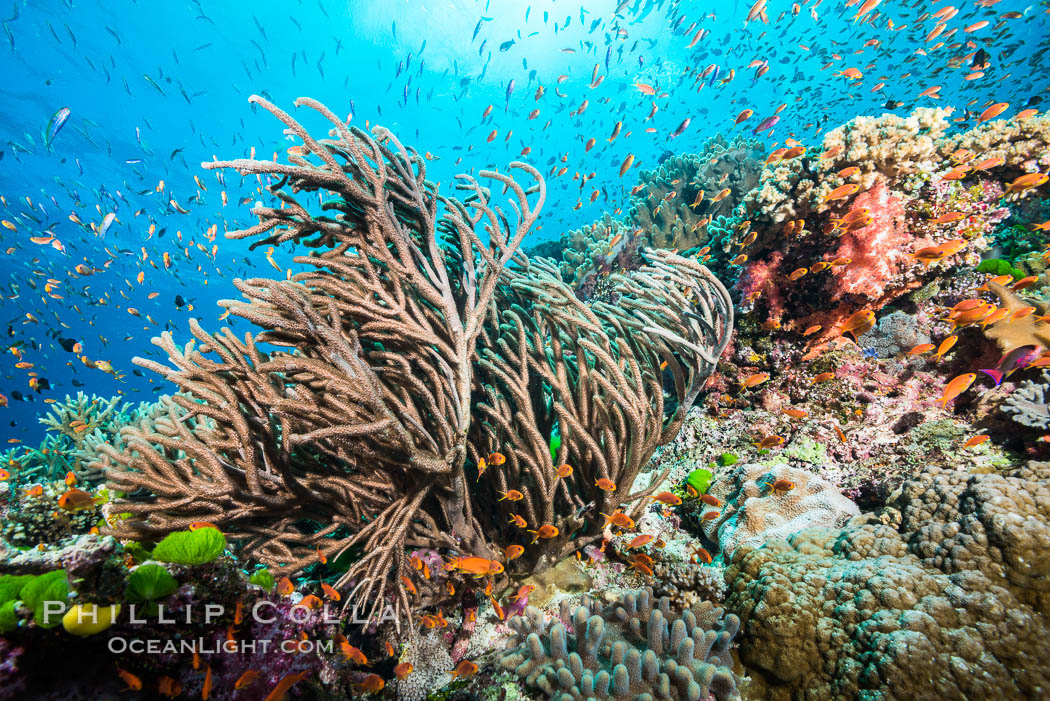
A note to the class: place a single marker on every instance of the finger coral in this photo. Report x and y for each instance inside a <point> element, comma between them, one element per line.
<point>348,424</point>
<point>636,648</point>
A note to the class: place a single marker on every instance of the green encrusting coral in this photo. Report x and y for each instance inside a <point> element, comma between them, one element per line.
<point>262,578</point>
<point>700,479</point>
<point>34,592</point>
<point>150,582</point>
<point>1000,266</point>
<point>191,547</point>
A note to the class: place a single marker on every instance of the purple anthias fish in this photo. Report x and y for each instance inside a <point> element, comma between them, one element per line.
<point>1017,359</point>
<point>516,608</point>
<point>767,123</point>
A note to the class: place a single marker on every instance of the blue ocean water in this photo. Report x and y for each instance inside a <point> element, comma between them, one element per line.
<point>154,89</point>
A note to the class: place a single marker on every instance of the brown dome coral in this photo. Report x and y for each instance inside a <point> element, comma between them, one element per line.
<point>951,605</point>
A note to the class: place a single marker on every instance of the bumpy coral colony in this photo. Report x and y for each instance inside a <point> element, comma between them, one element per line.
<point>441,463</point>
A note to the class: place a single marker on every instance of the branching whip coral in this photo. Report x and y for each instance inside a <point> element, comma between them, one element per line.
<point>418,341</point>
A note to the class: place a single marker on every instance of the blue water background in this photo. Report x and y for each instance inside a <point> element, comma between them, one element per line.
<point>207,58</point>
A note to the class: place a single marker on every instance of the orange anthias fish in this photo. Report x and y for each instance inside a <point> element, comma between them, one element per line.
<point>842,191</point>
<point>956,387</point>
<point>605,484</point>
<point>477,566</point>
<point>545,531</point>
<point>702,555</point>
<point>464,669</point>
<point>371,684</point>
<point>666,498</point>
<point>859,323</point>
<point>618,518</point>
<point>921,348</point>
<point>166,686</point>
<point>353,654</point>
<point>755,380</point>
<point>523,592</point>
<point>993,112</point>
<point>639,541</point>
<point>946,345</point>
<point>76,500</point>
<point>1026,182</point>
<point>133,682</point>
<point>976,440</point>
<point>246,680</point>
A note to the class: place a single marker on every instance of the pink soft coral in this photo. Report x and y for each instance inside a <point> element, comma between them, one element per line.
<point>879,251</point>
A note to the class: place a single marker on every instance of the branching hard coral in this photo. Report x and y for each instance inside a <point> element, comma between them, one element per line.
<point>78,426</point>
<point>357,431</point>
<point>666,205</point>
<point>1021,144</point>
<point>880,210</point>
<point>888,147</point>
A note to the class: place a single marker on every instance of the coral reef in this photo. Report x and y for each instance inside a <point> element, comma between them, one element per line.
<point>946,606</point>
<point>635,646</point>
<point>666,204</point>
<point>37,519</point>
<point>687,584</point>
<point>77,428</point>
<point>842,233</point>
<point>671,207</point>
<point>296,634</point>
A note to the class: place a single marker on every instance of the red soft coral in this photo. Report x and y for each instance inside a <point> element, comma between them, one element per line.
<point>879,251</point>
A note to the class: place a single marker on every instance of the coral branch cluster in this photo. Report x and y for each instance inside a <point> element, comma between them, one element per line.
<point>417,342</point>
